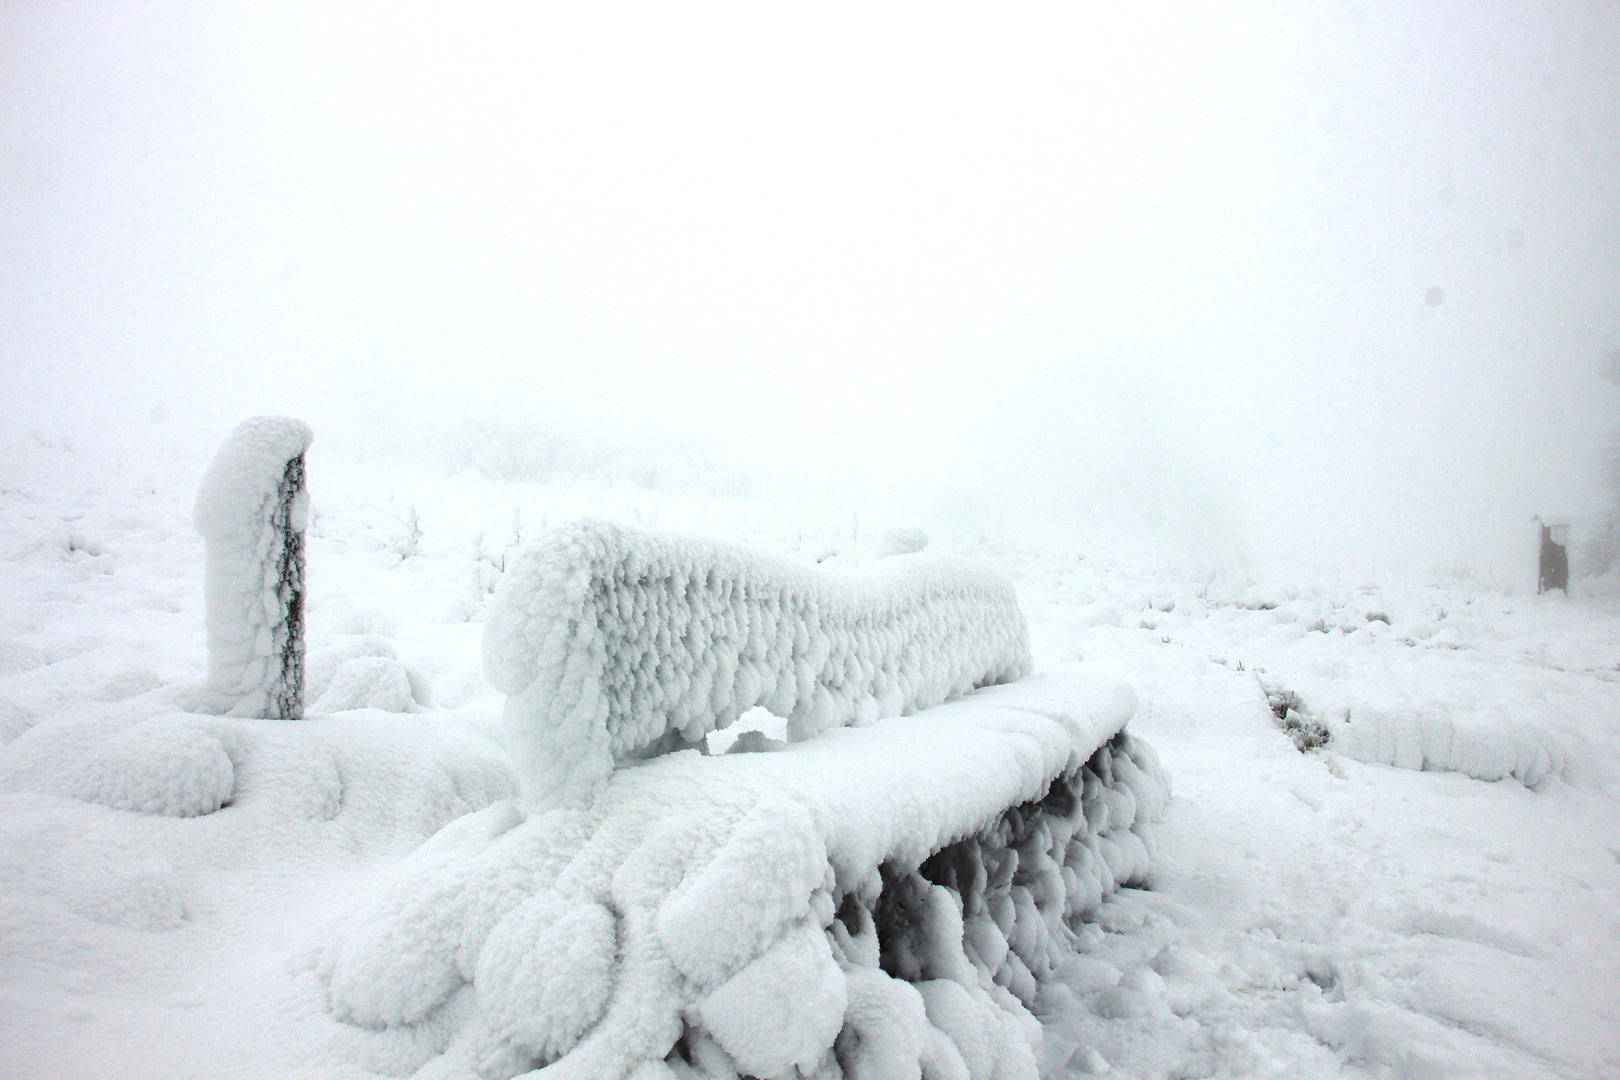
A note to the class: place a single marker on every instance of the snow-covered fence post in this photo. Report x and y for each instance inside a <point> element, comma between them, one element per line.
<point>252,508</point>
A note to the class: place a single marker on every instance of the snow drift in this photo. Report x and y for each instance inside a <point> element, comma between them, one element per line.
<point>615,644</point>
<point>125,819</point>
<point>176,765</point>
<point>881,901</point>
<point>1484,744</point>
<point>251,509</point>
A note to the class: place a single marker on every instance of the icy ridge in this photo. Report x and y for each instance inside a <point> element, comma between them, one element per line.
<point>881,901</point>
<point>614,644</point>
<point>1483,746</point>
<point>252,508</point>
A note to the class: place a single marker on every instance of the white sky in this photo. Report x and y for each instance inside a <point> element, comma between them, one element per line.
<point>1163,267</point>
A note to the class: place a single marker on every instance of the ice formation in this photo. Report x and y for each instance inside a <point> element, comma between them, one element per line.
<point>881,901</point>
<point>251,509</point>
<point>615,644</point>
<point>1484,746</point>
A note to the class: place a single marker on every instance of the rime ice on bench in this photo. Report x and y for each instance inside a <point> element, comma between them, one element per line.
<point>252,508</point>
<point>881,898</point>
<point>876,903</point>
<point>615,644</point>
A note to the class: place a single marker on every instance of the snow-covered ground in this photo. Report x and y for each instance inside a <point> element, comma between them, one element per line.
<point>1433,892</point>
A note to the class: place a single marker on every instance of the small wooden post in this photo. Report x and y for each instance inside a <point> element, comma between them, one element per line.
<point>1554,558</point>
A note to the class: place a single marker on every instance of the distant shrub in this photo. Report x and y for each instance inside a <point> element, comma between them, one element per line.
<point>1306,731</point>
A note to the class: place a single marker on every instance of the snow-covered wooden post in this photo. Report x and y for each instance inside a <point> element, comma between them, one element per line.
<point>1554,556</point>
<point>251,510</point>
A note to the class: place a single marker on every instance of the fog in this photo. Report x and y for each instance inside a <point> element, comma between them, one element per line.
<point>1331,280</point>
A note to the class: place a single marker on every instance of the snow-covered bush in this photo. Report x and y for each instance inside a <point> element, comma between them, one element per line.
<point>251,509</point>
<point>362,673</point>
<point>370,682</point>
<point>882,901</point>
<point>615,644</point>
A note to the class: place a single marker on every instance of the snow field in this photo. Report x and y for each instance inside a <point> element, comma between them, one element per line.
<point>1306,916</point>
<point>881,901</point>
<point>1325,917</point>
<point>613,643</point>
<point>1426,676</point>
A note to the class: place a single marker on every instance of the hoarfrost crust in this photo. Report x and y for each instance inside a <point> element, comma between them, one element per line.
<point>252,509</point>
<point>615,644</point>
<point>883,902</point>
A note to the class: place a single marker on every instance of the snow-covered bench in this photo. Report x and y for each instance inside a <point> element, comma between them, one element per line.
<point>879,900</point>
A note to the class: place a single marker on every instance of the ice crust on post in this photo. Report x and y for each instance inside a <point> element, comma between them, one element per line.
<point>615,644</point>
<point>252,509</point>
<point>879,902</point>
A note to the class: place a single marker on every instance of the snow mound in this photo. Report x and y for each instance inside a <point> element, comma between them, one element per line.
<point>902,541</point>
<point>1484,717</point>
<point>879,901</point>
<point>307,795</point>
<point>615,644</point>
<point>368,682</point>
<point>184,765</point>
<point>362,673</point>
<point>14,720</point>
<point>170,766</point>
<point>323,664</point>
<point>252,508</point>
<point>16,657</point>
<point>89,868</point>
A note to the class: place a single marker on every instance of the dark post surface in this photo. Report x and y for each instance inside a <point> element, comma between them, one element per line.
<point>1554,564</point>
<point>287,695</point>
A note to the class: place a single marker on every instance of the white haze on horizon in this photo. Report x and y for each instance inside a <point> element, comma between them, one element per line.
<point>1165,270</point>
